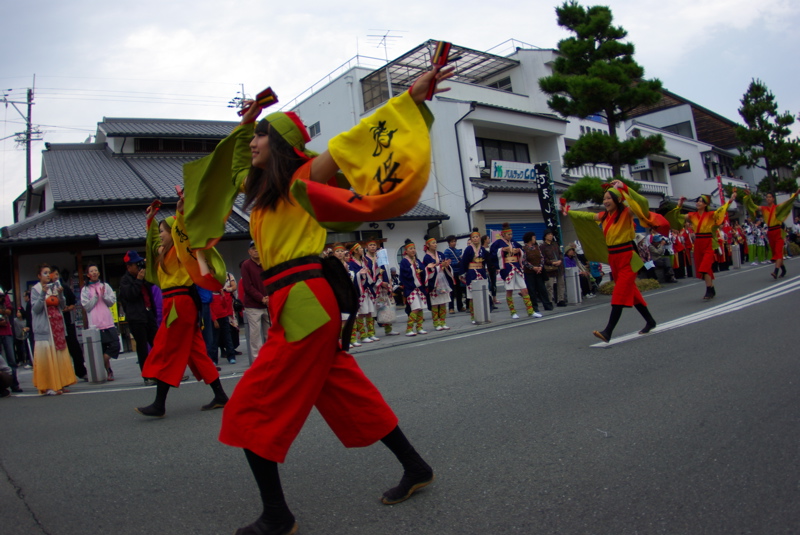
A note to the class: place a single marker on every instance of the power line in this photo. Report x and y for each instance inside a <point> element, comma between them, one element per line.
<point>40,89</point>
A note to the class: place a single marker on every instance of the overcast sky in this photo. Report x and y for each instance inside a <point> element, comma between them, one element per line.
<point>187,59</point>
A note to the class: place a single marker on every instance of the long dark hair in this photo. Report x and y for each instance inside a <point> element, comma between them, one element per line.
<point>265,187</point>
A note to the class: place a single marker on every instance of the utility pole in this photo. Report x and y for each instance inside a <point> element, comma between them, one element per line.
<point>31,133</point>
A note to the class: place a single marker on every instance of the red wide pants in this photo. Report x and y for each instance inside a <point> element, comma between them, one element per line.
<point>274,397</point>
<point>703,257</point>
<point>776,243</point>
<point>178,345</point>
<point>625,291</point>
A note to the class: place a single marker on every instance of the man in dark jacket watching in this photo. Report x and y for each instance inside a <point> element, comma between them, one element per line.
<point>255,301</point>
<point>136,300</point>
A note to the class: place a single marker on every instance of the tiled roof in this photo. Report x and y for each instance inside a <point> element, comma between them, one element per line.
<point>161,173</point>
<point>90,174</point>
<point>110,226</point>
<point>421,212</point>
<point>107,226</point>
<point>131,127</point>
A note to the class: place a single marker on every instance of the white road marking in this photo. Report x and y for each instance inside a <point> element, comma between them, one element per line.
<point>760,296</point>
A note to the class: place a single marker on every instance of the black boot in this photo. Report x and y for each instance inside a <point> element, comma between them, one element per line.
<point>650,323</point>
<point>783,271</point>
<point>416,472</point>
<point>710,293</point>
<point>158,408</point>
<point>220,397</point>
<point>613,319</point>
<point>276,518</point>
<point>774,273</point>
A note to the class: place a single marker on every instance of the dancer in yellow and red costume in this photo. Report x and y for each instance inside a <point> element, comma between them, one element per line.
<point>612,242</point>
<point>294,195</point>
<point>705,225</point>
<point>774,215</point>
<point>179,340</point>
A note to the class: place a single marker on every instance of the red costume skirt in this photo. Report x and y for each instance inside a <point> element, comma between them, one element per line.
<point>625,291</point>
<point>703,256</point>
<point>776,243</point>
<point>274,397</point>
<point>179,344</point>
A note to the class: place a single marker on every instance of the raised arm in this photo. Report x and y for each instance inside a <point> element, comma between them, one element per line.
<point>785,208</point>
<point>749,205</point>
<point>324,167</point>
<point>721,212</point>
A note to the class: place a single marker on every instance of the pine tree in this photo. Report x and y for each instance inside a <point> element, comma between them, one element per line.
<point>765,139</point>
<point>595,73</point>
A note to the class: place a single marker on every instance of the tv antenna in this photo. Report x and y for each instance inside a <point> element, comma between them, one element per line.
<point>238,100</point>
<point>384,39</point>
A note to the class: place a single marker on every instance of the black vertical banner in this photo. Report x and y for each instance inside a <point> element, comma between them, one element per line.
<point>547,198</point>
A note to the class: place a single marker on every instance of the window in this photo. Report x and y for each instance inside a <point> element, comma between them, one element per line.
<point>680,167</point>
<point>143,145</point>
<point>503,84</point>
<point>313,130</point>
<point>495,149</point>
<point>375,89</point>
<point>646,175</point>
<point>682,129</point>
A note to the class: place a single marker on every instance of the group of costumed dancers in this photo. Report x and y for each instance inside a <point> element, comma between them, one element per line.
<point>294,195</point>
<point>429,279</point>
<point>608,237</point>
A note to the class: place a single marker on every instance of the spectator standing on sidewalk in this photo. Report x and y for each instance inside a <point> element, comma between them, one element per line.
<point>440,280</point>
<point>221,314</point>
<point>491,269</point>
<point>533,268</point>
<point>21,334</point>
<point>554,267</point>
<point>75,350</point>
<point>7,337</point>
<point>509,257</point>
<point>474,263</point>
<point>255,301</point>
<point>136,300</point>
<point>412,276</point>
<point>97,297</point>
<point>454,256</point>
<point>52,370</point>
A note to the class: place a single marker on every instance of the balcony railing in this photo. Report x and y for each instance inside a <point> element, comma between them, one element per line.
<point>658,188</point>
<point>600,171</point>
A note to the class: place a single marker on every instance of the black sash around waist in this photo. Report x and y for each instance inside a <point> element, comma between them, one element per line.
<point>621,248</point>
<point>291,272</point>
<point>175,291</point>
<point>774,227</point>
<point>312,267</point>
<point>702,235</point>
<point>191,291</point>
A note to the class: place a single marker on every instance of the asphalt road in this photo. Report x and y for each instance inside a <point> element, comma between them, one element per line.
<point>530,427</point>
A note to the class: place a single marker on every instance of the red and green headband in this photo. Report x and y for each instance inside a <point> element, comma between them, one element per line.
<point>289,126</point>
